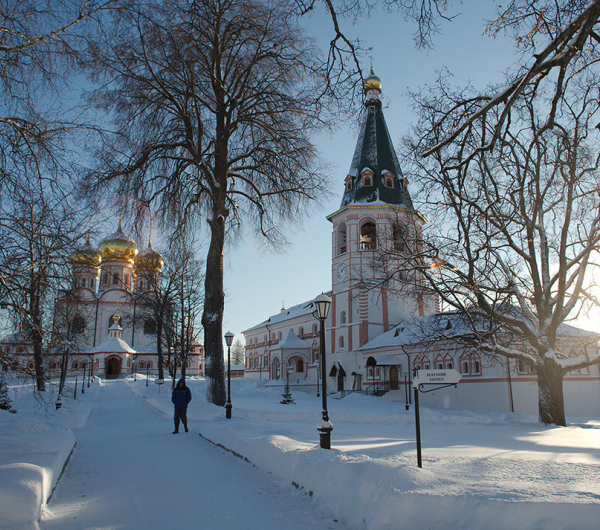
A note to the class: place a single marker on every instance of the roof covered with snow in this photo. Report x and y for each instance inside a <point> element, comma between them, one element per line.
<point>305,308</point>
<point>113,345</point>
<point>445,326</point>
<point>291,341</point>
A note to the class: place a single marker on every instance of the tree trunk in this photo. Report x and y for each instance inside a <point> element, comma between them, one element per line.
<point>159,351</point>
<point>212,316</point>
<point>551,401</point>
<point>35,334</point>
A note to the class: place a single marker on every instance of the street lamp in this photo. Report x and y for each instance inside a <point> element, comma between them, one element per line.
<point>83,380</point>
<point>228,341</point>
<point>325,427</point>
<point>406,389</point>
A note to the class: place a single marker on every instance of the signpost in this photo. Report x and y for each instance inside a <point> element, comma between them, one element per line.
<point>422,378</point>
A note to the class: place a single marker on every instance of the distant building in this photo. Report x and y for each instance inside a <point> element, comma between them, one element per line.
<point>105,318</point>
<point>378,330</point>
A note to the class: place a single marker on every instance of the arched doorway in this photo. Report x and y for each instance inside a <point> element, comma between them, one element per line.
<point>393,378</point>
<point>275,368</point>
<point>113,367</point>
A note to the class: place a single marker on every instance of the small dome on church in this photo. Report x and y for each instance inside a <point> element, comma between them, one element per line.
<point>118,246</point>
<point>372,82</point>
<point>86,256</point>
<point>149,260</point>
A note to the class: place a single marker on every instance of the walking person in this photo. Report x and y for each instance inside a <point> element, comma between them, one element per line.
<point>181,397</point>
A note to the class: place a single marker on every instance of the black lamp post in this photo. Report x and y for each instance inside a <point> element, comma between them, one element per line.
<point>147,372</point>
<point>325,427</point>
<point>83,380</point>
<point>228,406</point>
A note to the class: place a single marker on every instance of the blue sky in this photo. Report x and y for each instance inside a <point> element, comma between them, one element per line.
<point>256,281</point>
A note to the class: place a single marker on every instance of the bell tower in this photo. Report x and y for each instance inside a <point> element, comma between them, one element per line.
<point>374,230</point>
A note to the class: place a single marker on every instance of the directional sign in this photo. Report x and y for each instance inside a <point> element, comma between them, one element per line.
<point>432,377</point>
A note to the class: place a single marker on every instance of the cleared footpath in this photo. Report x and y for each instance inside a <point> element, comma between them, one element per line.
<point>129,472</point>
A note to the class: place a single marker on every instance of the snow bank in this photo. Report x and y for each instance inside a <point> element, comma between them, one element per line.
<point>35,446</point>
<point>480,471</point>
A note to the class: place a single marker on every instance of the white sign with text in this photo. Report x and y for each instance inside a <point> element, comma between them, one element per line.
<point>432,377</point>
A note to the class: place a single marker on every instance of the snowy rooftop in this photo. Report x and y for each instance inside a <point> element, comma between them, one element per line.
<point>449,325</point>
<point>305,308</point>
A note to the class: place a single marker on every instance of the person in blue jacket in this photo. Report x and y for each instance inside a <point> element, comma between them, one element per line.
<point>181,397</point>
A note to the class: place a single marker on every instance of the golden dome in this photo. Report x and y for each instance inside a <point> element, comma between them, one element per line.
<point>118,247</point>
<point>86,256</point>
<point>372,82</point>
<point>149,260</point>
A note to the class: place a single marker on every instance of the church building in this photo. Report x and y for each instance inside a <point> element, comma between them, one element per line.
<point>106,318</point>
<point>375,328</point>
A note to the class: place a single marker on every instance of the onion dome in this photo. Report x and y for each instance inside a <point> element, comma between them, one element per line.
<point>86,256</point>
<point>149,259</point>
<point>118,246</point>
<point>372,82</point>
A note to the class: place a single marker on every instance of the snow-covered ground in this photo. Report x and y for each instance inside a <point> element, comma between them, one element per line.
<point>479,470</point>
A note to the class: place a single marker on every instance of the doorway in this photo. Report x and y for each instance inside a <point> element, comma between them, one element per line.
<point>393,378</point>
<point>113,367</point>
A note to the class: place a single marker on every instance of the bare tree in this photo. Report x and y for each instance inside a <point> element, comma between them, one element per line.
<point>515,232</point>
<point>37,232</point>
<point>173,304</point>
<point>38,41</point>
<point>215,102</point>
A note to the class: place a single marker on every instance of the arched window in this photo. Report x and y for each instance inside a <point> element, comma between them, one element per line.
<point>141,364</point>
<point>377,373</point>
<point>367,177</point>
<point>421,362</point>
<point>348,183</point>
<point>341,342</point>
<point>399,237</point>
<point>105,282</point>
<point>30,365</point>
<point>149,326</point>
<point>149,365</point>
<point>54,365</point>
<point>77,325</point>
<point>92,283</point>
<point>388,179</point>
<point>300,331</point>
<point>368,236</point>
<point>126,281</point>
<point>341,239</point>
<point>280,335</point>
<point>299,365</point>
<point>75,365</point>
<point>314,329</point>
<point>470,363</point>
<point>188,364</point>
<point>343,317</point>
<point>116,279</point>
<point>82,282</point>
